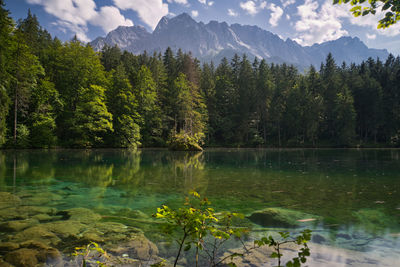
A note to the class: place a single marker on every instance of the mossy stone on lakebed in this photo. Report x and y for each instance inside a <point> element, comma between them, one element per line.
<point>17,225</point>
<point>8,200</point>
<point>280,217</point>
<point>374,220</point>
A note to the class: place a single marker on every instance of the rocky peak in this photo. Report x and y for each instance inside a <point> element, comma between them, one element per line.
<point>215,40</point>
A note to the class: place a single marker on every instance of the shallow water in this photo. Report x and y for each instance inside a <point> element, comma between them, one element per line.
<point>349,198</point>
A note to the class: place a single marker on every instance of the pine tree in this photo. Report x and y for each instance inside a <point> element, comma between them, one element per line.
<point>25,73</point>
<point>147,99</point>
<point>79,75</point>
<point>6,42</point>
<point>122,103</point>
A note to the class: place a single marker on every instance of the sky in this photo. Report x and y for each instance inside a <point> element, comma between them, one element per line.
<point>305,21</point>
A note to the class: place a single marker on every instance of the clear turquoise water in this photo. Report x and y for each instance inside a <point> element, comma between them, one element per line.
<point>355,193</point>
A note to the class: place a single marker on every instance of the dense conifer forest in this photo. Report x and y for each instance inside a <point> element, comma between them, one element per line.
<point>55,94</point>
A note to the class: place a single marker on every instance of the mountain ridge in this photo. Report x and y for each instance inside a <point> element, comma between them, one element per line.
<point>215,40</point>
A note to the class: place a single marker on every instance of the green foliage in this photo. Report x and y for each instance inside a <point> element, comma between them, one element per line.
<point>66,94</point>
<point>22,136</point>
<point>196,220</point>
<point>42,133</point>
<point>148,108</point>
<point>300,240</point>
<point>80,80</point>
<point>122,103</point>
<point>90,255</point>
<point>184,142</point>
<point>4,105</point>
<point>45,103</point>
<point>206,230</point>
<point>391,9</point>
<point>91,119</point>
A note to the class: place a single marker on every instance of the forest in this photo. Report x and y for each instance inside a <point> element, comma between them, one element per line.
<point>64,94</point>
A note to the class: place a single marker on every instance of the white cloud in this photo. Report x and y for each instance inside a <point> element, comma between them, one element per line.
<point>371,36</point>
<point>75,15</point>
<point>317,25</point>
<point>204,2</point>
<point>287,16</point>
<point>149,11</point>
<point>79,31</point>
<point>110,18</point>
<point>195,13</point>
<point>251,8</point>
<point>371,21</point>
<point>182,2</point>
<point>286,3</point>
<point>232,13</point>
<point>276,14</point>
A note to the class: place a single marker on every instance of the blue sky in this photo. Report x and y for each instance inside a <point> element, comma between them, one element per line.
<point>305,21</point>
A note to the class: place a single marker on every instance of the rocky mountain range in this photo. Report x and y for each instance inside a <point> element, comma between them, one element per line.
<point>216,40</point>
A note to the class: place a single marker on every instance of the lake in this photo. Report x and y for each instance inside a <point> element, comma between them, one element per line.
<point>62,198</point>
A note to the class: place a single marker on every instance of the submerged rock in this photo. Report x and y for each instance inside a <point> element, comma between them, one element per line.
<point>138,247</point>
<point>279,217</point>
<point>43,217</point>
<point>319,239</point>
<point>24,212</point>
<point>5,264</point>
<point>374,220</point>
<point>8,200</point>
<point>8,246</point>
<point>41,198</point>
<point>83,215</point>
<point>17,225</point>
<point>37,233</point>
<point>23,257</point>
<point>64,229</point>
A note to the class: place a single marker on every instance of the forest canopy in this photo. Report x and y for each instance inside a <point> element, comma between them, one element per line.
<point>55,94</point>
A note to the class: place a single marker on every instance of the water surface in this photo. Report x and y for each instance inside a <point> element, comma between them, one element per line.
<point>353,195</point>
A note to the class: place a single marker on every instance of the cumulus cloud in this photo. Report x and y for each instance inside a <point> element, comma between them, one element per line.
<point>286,3</point>
<point>317,25</point>
<point>207,3</point>
<point>195,13</point>
<point>232,13</point>
<point>324,23</point>
<point>276,14</point>
<point>371,36</point>
<point>251,7</point>
<point>182,2</point>
<point>149,11</point>
<point>75,15</point>
<point>371,22</point>
<point>110,18</point>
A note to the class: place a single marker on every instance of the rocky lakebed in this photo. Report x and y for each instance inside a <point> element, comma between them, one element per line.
<point>35,231</point>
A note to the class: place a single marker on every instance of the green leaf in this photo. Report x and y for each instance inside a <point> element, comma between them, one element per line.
<point>188,246</point>
<point>275,255</point>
